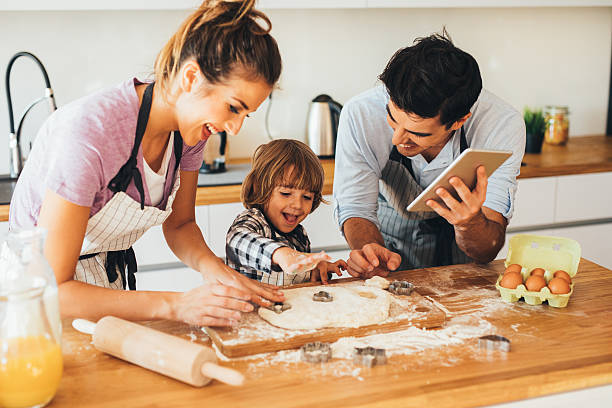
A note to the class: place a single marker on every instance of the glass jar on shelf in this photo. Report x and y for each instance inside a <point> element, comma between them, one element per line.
<point>557,124</point>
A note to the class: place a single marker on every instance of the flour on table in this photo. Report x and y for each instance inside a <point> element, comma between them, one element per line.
<point>352,307</point>
<point>377,282</point>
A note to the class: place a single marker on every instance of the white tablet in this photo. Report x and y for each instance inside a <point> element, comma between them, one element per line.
<point>463,167</point>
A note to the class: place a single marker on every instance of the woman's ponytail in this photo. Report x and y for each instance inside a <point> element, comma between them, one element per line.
<point>222,36</point>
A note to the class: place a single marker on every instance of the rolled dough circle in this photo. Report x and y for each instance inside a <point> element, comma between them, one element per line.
<point>352,306</point>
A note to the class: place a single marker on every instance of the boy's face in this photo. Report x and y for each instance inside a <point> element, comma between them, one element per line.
<point>288,207</point>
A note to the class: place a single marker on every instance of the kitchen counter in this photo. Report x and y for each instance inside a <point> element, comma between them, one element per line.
<point>553,350</point>
<point>587,154</point>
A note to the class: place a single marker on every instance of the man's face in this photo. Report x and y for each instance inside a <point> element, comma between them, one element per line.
<point>413,135</point>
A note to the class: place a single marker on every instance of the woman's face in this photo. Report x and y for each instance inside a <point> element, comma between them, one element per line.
<point>203,109</point>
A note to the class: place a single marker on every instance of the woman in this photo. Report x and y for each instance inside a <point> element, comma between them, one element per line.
<point>107,167</point>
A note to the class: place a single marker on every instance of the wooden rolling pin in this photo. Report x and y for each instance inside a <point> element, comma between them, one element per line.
<point>160,352</point>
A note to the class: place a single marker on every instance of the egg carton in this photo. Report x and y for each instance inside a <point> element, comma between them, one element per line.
<point>538,251</point>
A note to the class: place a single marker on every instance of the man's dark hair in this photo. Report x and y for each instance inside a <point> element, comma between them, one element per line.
<point>433,77</point>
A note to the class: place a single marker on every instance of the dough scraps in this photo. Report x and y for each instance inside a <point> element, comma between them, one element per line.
<point>378,282</point>
<point>353,306</point>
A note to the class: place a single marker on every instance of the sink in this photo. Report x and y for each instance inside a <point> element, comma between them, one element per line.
<point>7,185</point>
<point>235,174</point>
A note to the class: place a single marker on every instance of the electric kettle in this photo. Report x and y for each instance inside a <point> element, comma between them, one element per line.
<point>322,126</point>
<point>214,154</point>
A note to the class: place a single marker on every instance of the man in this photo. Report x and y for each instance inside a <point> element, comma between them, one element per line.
<point>395,139</point>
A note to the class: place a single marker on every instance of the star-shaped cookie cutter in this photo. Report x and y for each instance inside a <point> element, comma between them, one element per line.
<point>369,356</point>
<point>279,307</point>
<point>322,296</point>
<point>401,287</point>
<point>316,352</point>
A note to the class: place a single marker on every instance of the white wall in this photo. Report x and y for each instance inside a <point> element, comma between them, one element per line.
<point>528,56</point>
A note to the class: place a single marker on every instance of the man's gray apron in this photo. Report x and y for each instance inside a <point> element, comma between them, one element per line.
<point>423,239</point>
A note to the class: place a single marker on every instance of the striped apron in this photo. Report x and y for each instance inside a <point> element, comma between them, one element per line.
<point>423,239</point>
<point>107,246</point>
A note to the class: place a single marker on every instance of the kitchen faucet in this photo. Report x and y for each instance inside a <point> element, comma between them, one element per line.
<point>16,157</point>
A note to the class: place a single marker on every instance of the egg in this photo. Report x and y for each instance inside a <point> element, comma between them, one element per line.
<point>534,283</point>
<point>563,275</point>
<point>514,268</point>
<point>558,286</point>
<point>537,272</point>
<point>511,280</point>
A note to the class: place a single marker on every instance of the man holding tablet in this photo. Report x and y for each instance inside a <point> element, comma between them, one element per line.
<point>395,139</point>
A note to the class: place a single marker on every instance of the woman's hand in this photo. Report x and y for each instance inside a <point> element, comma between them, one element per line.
<point>211,305</point>
<point>261,294</point>
<point>324,270</point>
<point>293,262</point>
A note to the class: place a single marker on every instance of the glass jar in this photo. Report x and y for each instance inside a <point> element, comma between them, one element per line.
<point>30,355</point>
<point>557,124</point>
<point>21,255</point>
<point>30,328</point>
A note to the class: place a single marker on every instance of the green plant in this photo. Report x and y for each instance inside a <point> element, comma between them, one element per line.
<point>535,123</point>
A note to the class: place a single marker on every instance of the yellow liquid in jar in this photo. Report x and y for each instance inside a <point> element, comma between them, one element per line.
<point>30,371</point>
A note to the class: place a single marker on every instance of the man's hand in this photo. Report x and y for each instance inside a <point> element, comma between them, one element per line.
<point>461,214</point>
<point>372,259</point>
<point>479,230</point>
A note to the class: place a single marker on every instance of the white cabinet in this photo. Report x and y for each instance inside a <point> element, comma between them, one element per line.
<point>220,218</point>
<point>152,249</point>
<point>534,202</point>
<point>594,241</point>
<point>301,4</point>
<point>584,197</point>
<point>180,279</point>
<point>563,199</point>
<point>37,5</point>
<point>322,228</point>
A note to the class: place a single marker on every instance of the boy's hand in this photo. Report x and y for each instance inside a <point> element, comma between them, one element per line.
<point>324,271</point>
<point>294,262</point>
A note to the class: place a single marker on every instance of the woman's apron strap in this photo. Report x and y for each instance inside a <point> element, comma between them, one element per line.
<point>118,260</point>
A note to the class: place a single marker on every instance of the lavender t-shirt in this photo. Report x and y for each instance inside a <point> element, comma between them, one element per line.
<point>80,148</point>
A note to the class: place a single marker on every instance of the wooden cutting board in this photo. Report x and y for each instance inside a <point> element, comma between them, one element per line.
<point>254,335</point>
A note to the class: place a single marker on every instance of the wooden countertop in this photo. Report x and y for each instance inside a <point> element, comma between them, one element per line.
<point>581,155</point>
<point>553,350</point>
<point>586,154</point>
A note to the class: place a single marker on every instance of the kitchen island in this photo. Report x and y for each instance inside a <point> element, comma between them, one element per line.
<point>553,350</point>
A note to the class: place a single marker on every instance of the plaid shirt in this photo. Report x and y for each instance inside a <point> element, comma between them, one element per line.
<point>250,243</point>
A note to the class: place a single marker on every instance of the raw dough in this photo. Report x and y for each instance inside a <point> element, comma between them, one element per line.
<point>378,282</point>
<point>352,306</point>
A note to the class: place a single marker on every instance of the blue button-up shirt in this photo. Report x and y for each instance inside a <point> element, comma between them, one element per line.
<point>364,144</point>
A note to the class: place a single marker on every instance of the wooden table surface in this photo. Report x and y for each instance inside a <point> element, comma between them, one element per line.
<point>553,350</point>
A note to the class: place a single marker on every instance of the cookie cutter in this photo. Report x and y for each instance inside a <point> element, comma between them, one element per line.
<point>316,352</point>
<point>369,356</point>
<point>322,296</point>
<point>279,307</point>
<point>494,342</point>
<point>401,287</point>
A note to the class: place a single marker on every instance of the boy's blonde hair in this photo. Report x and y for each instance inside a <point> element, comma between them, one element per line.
<point>271,161</point>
